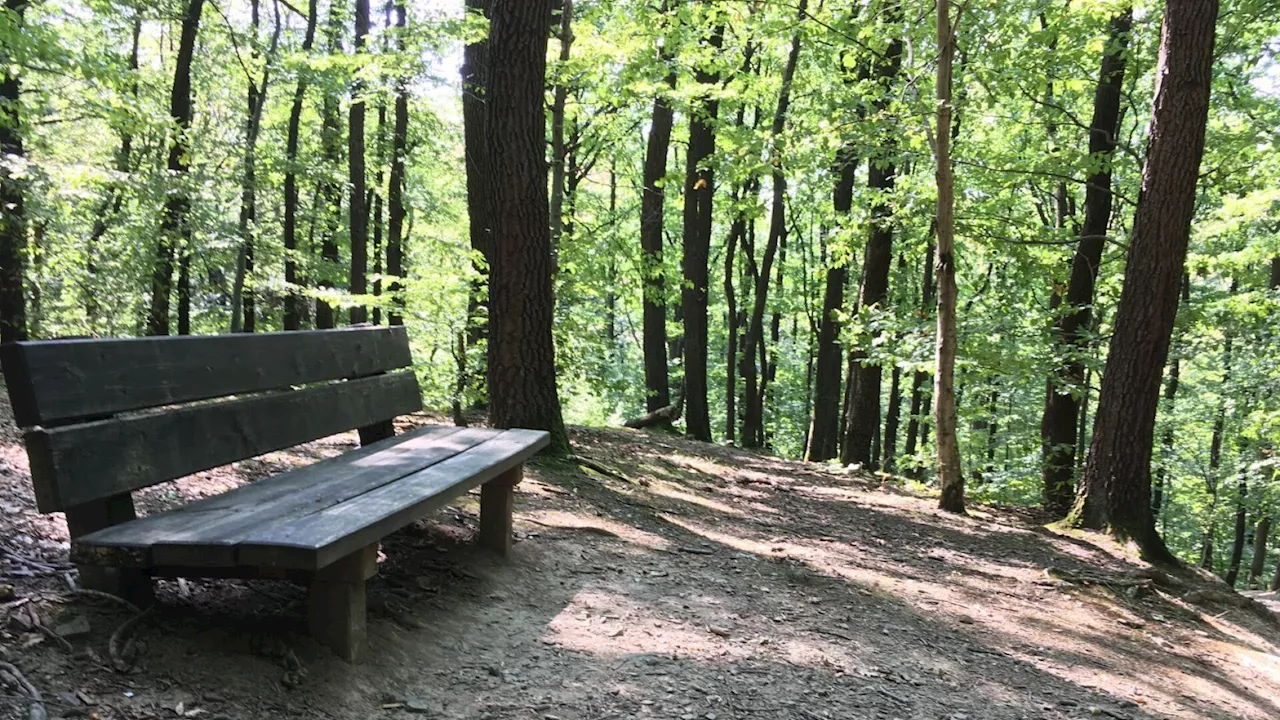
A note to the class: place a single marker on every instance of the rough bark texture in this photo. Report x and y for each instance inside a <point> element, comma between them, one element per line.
<point>395,193</point>
<point>1062,404</point>
<point>944,398</point>
<point>864,407</point>
<point>13,229</point>
<point>522,373</point>
<point>699,192</point>
<point>293,300</point>
<point>358,211</point>
<point>1116,487</point>
<point>652,204</point>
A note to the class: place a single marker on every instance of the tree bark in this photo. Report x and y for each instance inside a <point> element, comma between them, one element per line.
<point>175,231</point>
<point>699,193</point>
<point>13,228</point>
<point>1261,534</point>
<point>331,149</point>
<point>1062,402</point>
<point>944,400</point>
<point>475,80</point>
<point>522,371</point>
<point>359,214</point>
<point>652,203</point>
<point>293,299</point>
<point>1115,491</point>
<point>753,417</point>
<point>396,237</point>
<point>1237,542</point>
<point>917,428</point>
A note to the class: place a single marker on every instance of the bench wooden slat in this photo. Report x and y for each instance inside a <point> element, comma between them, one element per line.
<point>80,463</point>
<point>203,533</point>
<point>59,380</point>
<point>318,539</point>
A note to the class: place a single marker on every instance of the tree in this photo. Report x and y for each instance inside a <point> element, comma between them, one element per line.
<point>1062,403</point>
<point>359,213</point>
<point>522,376</point>
<point>395,193</point>
<point>1115,491</point>
<point>652,207</point>
<point>475,78</point>
<point>293,303</point>
<point>175,230</point>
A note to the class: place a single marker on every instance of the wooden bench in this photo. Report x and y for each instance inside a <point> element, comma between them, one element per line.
<point>103,418</point>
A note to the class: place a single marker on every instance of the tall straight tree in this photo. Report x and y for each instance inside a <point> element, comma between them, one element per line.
<point>1115,491</point>
<point>359,214</point>
<point>944,393</point>
<point>1062,403</point>
<point>522,371</point>
<point>652,208</point>
<point>13,228</point>
<point>864,409</point>
<point>293,307</point>
<point>330,191</point>
<point>395,193</point>
<point>175,232</point>
<point>699,191</point>
<point>753,417</point>
<point>475,73</point>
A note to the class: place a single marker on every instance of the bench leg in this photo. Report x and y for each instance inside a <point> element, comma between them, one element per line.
<point>336,613</point>
<point>497,499</point>
<point>132,584</point>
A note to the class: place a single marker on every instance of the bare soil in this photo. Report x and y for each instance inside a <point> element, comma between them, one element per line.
<point>674,580</point>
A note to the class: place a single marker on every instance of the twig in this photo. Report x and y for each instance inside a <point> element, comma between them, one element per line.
<point>65,643</point>
<point>118,660</point>
<point>85,592</point>
<point>37,711</point>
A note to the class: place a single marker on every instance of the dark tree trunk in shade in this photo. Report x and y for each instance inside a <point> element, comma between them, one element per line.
<point>293,299</point>
<point>825,431</point>
<point>736,231</point>
<point>475,78</point>
<point>1237,540</point>
<point>522,371</point>
<point>358,211</point>
<point>175,233</point>
<point>396,235</point>
<point>13,229</point>
<point>917,427</point>
<point>1115,491</point>
<point>1261,535</point>
<point>1058,431</point>
<point>331,195</point>
<point>699,191</point>
<point>753,415</point>
<point>652,208</point>
<point>892,419</point>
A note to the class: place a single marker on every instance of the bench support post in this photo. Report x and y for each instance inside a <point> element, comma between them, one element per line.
<point>132,584</point>
<point>497,500</point>
<point>336,611</point>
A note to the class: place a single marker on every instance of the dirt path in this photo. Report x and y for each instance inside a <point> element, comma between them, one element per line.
<point>690,581</point>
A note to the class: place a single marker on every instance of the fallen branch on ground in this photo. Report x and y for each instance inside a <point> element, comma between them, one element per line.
<point>37,711</point>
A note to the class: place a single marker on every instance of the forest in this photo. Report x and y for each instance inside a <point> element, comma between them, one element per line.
<point>1022,254</point>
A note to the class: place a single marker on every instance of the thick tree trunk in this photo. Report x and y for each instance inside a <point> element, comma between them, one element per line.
<point>864,408</point>
<point>1116,488</point>
<point>1062,404</point>
<point>396,237</point>
<point>699,192</point>
<point>652,203</point>
<point>331,149</point>
<point>13,228</point>
<point>753,417</point>
<point>293,299</point>
<point>944,400</point>
<point>175,231</point>
<point>522,371</point>
<point>358,212</point>
<point>559,156</point>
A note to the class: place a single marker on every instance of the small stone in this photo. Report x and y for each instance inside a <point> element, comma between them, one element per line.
<point>717,630</point>
<point>78,625</point>
<point>965,619</point>
<point>6,591</point>
<point>416,707</point>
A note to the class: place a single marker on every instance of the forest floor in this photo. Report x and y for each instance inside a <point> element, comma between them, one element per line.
<point>685,581</point>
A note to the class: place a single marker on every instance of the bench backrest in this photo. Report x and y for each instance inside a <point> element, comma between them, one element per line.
<point>105,417</point>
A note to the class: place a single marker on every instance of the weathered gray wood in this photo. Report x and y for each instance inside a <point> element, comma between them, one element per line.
<point>58,380</point>
<point>320,538</point>
<point>336,607</point>
<point>205,533</point>
<point>76,464</point>
<point>497,502</point>
<point>131,583</point>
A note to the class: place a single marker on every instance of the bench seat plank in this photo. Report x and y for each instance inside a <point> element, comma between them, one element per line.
<point>205,533</point>
<point>315,540</point>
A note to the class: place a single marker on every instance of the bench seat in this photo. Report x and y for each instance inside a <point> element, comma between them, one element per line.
<point>307,519</point>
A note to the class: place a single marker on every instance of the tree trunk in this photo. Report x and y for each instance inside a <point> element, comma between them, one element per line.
<point>522,371</point>
<point>331,149</point>
<point>1116,488</point>
<point>699,193</point>
<point>1261,534</point>
<point>13,228</point>
<point>652,202</point>
<point>1237,542</point>
<point>825,431</point>
<point>175,232</point>
<point>944,399</point>
<point>736,230</point>
<point>753,417</point>
<point>293,299</point>
<point>917,428</point>
<point>560,99</point>
<point>358,212</point>
<point>475,80</point>
<point>1062,404</point>
<point>396,236</point>
<point>864,409</point>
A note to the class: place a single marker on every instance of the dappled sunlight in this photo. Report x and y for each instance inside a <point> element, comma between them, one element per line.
<point>668,490</point>
<point>577,521</point>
